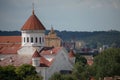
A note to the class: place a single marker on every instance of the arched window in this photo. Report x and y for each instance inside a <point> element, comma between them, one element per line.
<point>40,40</point>
<point>31,39</point>
<point>36,40</point>
<point>27,39</point>
<point>24,39</point>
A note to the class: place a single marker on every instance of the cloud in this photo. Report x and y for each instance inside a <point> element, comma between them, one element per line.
<point>99,3</point>
<point>59,12</point>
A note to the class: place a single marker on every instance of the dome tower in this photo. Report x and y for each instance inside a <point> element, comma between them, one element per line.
<point>33,32</point>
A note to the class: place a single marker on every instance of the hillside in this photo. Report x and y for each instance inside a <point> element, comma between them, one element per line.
<point>96,38</point>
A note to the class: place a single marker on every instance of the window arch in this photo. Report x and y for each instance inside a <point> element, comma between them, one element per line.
<point>31,39</point>
<point>39,39</point>
<point>36,40</point>
<point>27,39</point>
<point>42,39</point>
<point>24,39</point>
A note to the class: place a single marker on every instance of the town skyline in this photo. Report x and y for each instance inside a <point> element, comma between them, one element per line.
<point>69,15</point>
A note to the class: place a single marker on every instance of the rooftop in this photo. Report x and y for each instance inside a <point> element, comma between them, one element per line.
<point>33,23</point>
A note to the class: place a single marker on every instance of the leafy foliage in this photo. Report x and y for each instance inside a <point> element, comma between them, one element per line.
<point>80,58</point>
<point>58,76</point>
<point>24,72</point>
<point>33,77</point>
<point>7,73</point>
<point>81,71</point>
<point>107,63</point>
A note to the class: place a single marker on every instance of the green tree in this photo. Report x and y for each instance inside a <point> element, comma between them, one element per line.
<point>33,77</point>
<point>25,70</point>
<point>8,73</point>
<point>82,71</point>
<point>69,77</point>
<point>80,59</point>
<point>107,63</point>
<point>56,76</point>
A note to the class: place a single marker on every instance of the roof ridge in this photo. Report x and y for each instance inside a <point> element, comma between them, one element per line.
<point>36,54</point>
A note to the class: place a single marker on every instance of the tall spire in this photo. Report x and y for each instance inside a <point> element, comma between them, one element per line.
<point>33,8</point>
<point>52,30</point>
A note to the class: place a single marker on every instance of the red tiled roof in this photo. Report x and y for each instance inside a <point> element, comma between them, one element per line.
<point>51,51</point>
<point>36,54</point>
<point>10,39</point>
<point>7,49</point>
<point>71,54</point>
<point>17,60</point>
<point>33,23</point>
<point>45,63</point>
<point>9,44</point>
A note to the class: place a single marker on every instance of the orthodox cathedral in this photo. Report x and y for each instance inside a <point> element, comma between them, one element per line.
<point>44,52</point>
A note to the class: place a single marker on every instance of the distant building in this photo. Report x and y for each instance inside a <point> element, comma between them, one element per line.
<point>30,48</point>
<point>104,47</point>
<point>52,40</point>
<point>68,45</point>
<point>79,44</point>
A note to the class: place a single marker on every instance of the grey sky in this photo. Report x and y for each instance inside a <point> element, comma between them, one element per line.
<point>70,15</point>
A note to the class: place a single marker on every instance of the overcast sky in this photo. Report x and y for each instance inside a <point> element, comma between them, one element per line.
<point>70,15</point>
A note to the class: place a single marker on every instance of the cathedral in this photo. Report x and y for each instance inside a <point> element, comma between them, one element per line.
<point>44,52</point>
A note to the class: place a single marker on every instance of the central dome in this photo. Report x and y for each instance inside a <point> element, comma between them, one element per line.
<point>33,23</point>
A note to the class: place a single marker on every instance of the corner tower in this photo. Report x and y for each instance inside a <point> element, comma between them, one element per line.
<point>33,32</point>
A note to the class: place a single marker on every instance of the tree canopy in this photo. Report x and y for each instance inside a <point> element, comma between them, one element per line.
<point>23,72</point>
<point>107,63</point>
<point>7,73</point>
<point>59,76</point>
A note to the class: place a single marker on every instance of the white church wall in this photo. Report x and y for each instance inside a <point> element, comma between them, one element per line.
<point>61,62</point>
<point>26,51</point>
<point>36,61</point>
<point>41,71</point>
<point>72,60</point>
<point>33,34</point>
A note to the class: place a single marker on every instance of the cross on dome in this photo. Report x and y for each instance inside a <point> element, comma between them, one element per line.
<point>33,23</point>
<point>33,8</point>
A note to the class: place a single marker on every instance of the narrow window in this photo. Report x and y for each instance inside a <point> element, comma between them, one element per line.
<point>40,39</point>
<point>24,39</point>
<point>27,39</point>
<point>36,39</point>
<point>31,39</point>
